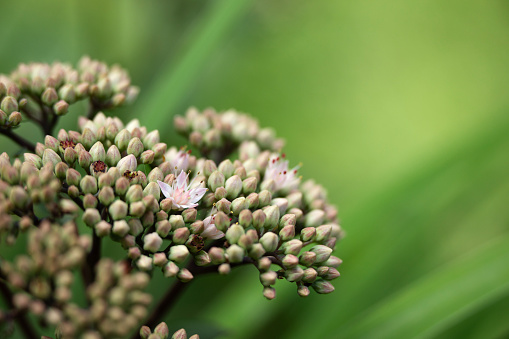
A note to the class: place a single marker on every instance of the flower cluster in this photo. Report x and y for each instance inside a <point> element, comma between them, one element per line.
<point>238,202</point>
<point>162,332</point>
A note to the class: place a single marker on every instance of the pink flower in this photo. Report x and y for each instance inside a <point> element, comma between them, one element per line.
<point>209,229</point>
<point>179,160</point>
<point>181,194</point>
<point>284,178</point>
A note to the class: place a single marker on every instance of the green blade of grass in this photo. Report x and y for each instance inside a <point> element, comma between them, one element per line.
<point>442,298</point>
<point>174,80</point>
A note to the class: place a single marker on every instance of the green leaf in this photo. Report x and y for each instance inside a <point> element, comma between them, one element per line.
<point>442,298</point>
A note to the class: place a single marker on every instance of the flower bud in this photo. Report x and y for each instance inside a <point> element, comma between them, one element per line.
<point>265,197</point>
<point>135,147</point>
<point>202,258</point>
<point>269,241</point>
<point>314,218</point>
<point>294,274</point>
<point>226,167</point>
<point>120,228</point>
<point>303,291</point>
<point>223,205</point>
<point>127,163</point>
<point>259,219</point>
<point>159,150</point>
<point>238,205</point>
<point>155,175</point>
<point>15,119</point>
<point>287,233</point>
<point>249,185</point>
<point>310,275</point>
<point>292,247</point>
<point>307,234</point>
<point>152,242</point>
<point>34,159</point>
<point>235,254</point>
<point>216,180</point>
<point>189,215</point>
<point>145,332</point>
<point>333,262</point>
<point>121,185</point>
<point>216,255</point>
<point>323,287</point>
<point>233,233</point>
<point>151,139</point>
<point>102,228</point>
<point>137,209</point>
<point>209,167</point>
<point>178,253</point>
<point>9,104</point>
<point>163,227</point>
<point>147,157</point>
<point>268,278</point>
<point>152,189</point>
<point>322,253</point>
<point>162,329</point>
<point>89,201</point>
<point>245,218</point>
<point>70,155</point>
<point>180,235</point>
<point>177,221</point>
<point>233,187</point>
<point>241,172</point>
<point>84,160</point>
<point>222,221</point>
<point>88,184</point>
<point>144,263</point>
<point>49,96</point>
<point>88,138</point>
<point>91,217</point>
<point>272,216</point>
<point>118,210</point>
<point>50,156</point>
<point>323,233</point>
<point>170,270</point>
<point>61,107</point>
<point>122,139</point>
<point>281,203</point>
<point>97,152</point>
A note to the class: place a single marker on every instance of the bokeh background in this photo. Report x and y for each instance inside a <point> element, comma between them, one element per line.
<point>399,108</point>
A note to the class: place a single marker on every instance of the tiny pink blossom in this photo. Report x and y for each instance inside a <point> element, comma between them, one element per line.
<point>181,194</point>
<point>284,178</point>
<point>209,229</point>
<point>179,160</point>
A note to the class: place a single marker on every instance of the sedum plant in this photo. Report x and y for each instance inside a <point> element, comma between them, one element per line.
<point>235,201</point>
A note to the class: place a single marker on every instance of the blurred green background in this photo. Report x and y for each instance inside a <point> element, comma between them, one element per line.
<point>399,108</point>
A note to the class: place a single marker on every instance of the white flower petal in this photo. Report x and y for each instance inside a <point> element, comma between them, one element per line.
<point>165,189</point>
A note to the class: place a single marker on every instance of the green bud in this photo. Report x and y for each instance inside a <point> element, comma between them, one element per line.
<point>189,214</point>
<point>61,170</point>
<point>70,155</point>
<point>294,199</point>
<point>134,193</point>
<point>290,261</point>
<point>287,219</point>
<point>122,139</point>
<point>118,210</point>
<point>307,258</point>
<point>226,167</point>
<point>34,159</point>
<point>135,227</point>
<point>39,149</point>
<point>333,262</point>
<point>272,216</point>
<point>233,186</point>
<point>163,227</point>
<point>120,227</point>
<point>238,205</point>
<point>220,193</point>
<point>84,160</point>
<point>15,119</point>
<point>294,274</point>
<point>222,221</point>
<point>9,105</point>
<point>155,175</point>
<point>177,221</point>
<point>287,233</point>
<point>88,138</point>
<point>170,270</point>
<point>196,227</point>
<point>89,201</point>
<point>241,172</point>
<point>111,131</point>
<point>245,218</point>
<point>252,200</point>
<point>303,290</point>
<point>281,203</point>
<point>314,218</point>
<point>178,253</point>
<point>233,233</point>
<point>245,242</point>
<point>88,184</point>
<point>121,185</point>
<point>256,251</point>
<point>259,219</point>
<point>309,275</point>
<point>97,152</point>
<point>201,258</point>
<point>249,185</point>
<point>151,139</point>
<point>135,147</point>
<point>73,191</point>
<point>268,278</point>
<point>269,241</point>
<point>323,287</point>
<point>152,189</point>
<point>292,247</point>
<point>323,233</point>
<point>209,167</point>
<point>91,217</point>
<point>223,205</point>
<point>322,253</point>
<point>104,180</point>
<point>127,163</point>
<point>160,259</point>
<point>145,332</point>
<point>18,197</point>
<point>137,209</point>
<point>152,242</point>
<point>159,150</point>
<point>50,156</point>
<point>147,157</point>
<point>3,117</point>
<point>102,228</point>
<point>307,234</point>
<point>67,93</point>
<point>180,235</point>
<point>27,170</point>
<point>144,263</point>
<point>216,255</point>
<point>235,254</point>
<point>162,330</point>
<point>265,197</point>
<point>216,180</point>
<point>51,142</point>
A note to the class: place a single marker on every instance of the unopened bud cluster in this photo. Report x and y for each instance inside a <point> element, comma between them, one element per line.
<point>237,203</point>
<point>161,331</point>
